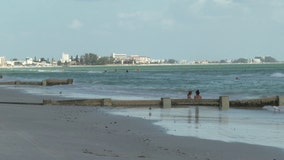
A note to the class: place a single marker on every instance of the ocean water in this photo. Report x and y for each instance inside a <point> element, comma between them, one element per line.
<point>238,81</point>
<point>153,82</point>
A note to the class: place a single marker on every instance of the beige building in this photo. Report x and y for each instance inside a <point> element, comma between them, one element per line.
<point>3,62</point>
<point>140,59</point>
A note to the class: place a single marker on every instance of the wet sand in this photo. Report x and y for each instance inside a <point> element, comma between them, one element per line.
<point>72,132</point>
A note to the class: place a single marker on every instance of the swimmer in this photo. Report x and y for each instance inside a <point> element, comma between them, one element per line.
<point>197,95</point>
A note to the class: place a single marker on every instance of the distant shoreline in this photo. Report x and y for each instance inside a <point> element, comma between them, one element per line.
<point>121,65</point>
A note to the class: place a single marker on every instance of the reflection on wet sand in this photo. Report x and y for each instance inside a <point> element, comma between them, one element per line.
<point>234,125</point>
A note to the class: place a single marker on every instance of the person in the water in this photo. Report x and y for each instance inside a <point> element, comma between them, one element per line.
<point>197,95</point>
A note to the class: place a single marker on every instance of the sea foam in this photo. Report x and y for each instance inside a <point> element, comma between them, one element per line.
<point>277,75</point>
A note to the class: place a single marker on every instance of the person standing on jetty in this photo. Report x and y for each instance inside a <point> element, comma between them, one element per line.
<point>189,95</point>
<point>197,95</point>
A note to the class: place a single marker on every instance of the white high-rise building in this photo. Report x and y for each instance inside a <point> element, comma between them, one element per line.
<point>65,58</point>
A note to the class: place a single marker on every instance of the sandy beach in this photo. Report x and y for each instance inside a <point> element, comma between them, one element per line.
<point>75,132</point>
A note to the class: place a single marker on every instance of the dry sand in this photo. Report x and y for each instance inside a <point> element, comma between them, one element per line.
<point>36,132</point>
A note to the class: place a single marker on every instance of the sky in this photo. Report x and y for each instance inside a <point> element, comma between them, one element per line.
<point>160,29</point>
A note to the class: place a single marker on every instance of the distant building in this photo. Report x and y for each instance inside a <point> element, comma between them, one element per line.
<point>257,60</point>
<point>13,63</point>
<point>28,61</point>
<point>3,62</point>
<point>119,57</point>
<point>201,62</point>
<point>65,58</point>
<point>140,59</point>
<point>157,61</point>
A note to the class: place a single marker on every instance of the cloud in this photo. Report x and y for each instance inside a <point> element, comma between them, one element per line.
<point>146,16</point>
<point>223,2</point>
<point>277,11</point>
<point>88,0</point>
<point>179,14</point>
<point>215,10</point>
<point>197,7</point>
<point>76,24</point>
<point>141,19</point>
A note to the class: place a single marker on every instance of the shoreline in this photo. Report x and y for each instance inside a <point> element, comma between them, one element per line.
<point>74,132</point>
<point>135,65</point>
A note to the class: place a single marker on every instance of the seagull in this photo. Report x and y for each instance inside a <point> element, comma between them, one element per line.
<point>276,108</point>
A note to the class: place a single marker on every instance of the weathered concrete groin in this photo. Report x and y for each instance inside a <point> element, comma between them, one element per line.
<point>163,102</point>
<point>194,102</point>
<point>47,82</point>
<point>137,103</point>
<point>51,82</point>
<point>105,102</point>
<point>272,101</point>
<point>223,102</point>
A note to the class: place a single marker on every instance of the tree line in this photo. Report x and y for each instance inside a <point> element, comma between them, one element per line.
<point>88,59</point>
<point>94,59</point>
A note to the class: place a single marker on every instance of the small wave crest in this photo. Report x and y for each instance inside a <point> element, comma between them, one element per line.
<point>50,71</point>
<point>278,75</point>
<point>94,72</point>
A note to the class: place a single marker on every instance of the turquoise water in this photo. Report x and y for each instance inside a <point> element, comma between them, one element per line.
<point>153,82</point>
<point>262,127</point>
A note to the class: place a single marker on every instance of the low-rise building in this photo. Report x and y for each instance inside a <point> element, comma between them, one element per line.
<point>28,61</point>
<point>140,59</point>
<point>119,57</point>
<point>256,60</point>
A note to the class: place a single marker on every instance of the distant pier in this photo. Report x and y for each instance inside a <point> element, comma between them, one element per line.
<point>47,82</point>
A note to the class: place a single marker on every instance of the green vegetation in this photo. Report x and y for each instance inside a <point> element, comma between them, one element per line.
<point>90,59</point>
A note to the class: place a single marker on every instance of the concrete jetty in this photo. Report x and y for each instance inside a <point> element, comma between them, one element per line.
<point>47,82</point>
<point>223,103</point>
<point>272,101</point>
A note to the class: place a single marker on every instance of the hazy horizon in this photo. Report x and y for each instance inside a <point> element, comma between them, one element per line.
<point>160,29</point>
